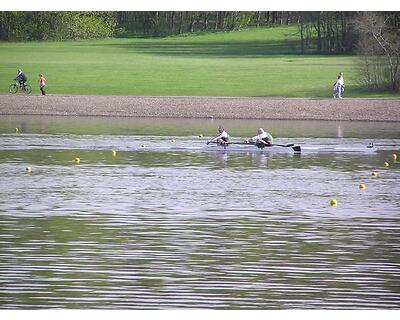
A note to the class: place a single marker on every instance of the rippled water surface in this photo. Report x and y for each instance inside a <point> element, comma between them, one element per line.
<point>155,229</point>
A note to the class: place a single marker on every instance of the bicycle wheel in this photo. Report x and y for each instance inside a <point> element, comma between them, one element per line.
<point>27,89</point>
<point>13,88</point>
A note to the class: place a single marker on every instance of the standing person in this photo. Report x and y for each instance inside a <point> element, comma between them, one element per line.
<point>222,138</point>
<point>262,139</point>
<point>338,87</point>
<point>42,84</point>
<point>21,78</point>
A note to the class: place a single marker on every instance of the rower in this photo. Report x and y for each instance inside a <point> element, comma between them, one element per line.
<point>222,138</point>
<point>262,139</point>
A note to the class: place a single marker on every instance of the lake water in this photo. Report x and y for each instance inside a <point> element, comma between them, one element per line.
<point>162,230</point>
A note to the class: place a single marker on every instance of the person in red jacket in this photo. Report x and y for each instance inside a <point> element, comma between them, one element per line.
<point>42,83</point>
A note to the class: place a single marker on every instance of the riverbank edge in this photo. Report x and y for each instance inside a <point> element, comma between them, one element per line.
<point>351,109</point>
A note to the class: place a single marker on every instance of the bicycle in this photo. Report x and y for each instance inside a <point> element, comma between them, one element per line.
<point>13,88</point>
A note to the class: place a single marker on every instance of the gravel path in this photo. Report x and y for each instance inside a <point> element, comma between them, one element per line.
<point>202,107</point>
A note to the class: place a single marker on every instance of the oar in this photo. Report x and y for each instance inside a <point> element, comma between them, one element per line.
<point>274,144</point>
<point>296,149</point>
<point>284,145</point>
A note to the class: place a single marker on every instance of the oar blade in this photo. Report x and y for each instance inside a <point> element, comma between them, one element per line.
<point>297,149</point>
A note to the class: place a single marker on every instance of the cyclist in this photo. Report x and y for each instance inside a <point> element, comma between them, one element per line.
<point>21,77</point>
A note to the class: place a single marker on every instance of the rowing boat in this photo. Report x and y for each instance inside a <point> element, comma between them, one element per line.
<point>251,148</point>
<point>241,148</point>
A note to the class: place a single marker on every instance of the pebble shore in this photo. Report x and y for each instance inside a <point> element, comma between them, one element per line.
<point>203,107</point>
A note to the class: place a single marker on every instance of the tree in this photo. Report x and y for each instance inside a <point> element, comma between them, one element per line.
<point>56,25</point>
<point>379,46</point>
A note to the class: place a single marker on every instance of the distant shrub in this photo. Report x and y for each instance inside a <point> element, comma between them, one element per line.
<point>56,25</point>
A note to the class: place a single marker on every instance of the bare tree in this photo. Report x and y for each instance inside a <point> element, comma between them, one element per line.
<point>379,44</point>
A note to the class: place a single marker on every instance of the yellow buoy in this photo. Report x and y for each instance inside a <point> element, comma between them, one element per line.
<point>333,202</point>
<point>77,160</point>
<point>394,156</point>
<point>114,153</point>
<point>374,174</point>
<point>200,135</point>
<point>361,186</point>
<point>28,169</point>
<point>16,130</point>
<point>386,164</point>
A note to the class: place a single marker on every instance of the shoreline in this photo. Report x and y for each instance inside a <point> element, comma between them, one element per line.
<point>347,109</point>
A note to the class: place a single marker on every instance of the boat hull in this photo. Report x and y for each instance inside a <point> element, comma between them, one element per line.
<point>239,148</point>
<point>338,149</point>
<point>275,149</point>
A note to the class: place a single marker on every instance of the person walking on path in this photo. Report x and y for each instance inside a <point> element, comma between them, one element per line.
<point>42,84</point>
<point>338,87</point>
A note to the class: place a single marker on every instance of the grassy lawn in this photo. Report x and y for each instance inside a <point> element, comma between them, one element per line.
<point>253,62</point>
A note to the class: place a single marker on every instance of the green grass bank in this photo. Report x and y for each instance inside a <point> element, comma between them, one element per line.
<point>254,62</point>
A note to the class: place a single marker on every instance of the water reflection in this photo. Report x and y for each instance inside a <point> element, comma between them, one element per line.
<point>339,131</point>
<point>194,127</point>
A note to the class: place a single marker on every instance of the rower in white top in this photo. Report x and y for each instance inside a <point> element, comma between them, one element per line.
<point>222,138</point>
<point>262,139</point>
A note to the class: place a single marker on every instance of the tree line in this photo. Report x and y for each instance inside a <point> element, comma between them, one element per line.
<point>373,35</point>
<point>322,32</point>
